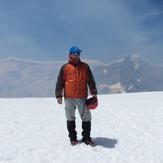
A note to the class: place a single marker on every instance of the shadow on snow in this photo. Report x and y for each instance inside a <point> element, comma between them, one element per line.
<point>105,142</point>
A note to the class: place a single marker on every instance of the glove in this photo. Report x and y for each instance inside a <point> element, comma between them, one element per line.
<point>59,100</point>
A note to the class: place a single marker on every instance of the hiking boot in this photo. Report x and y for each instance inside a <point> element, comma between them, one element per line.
<point>89,142</point>
<point>74,142</point>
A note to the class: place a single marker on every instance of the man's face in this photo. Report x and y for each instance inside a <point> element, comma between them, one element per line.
<point>74,58</point>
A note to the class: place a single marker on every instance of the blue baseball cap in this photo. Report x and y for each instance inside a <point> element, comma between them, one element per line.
<point>75,50</point>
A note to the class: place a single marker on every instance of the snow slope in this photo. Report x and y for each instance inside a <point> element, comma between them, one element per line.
<point>127,128</point>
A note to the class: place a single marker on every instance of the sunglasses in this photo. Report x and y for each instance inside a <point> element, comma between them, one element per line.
<point>75,54</point>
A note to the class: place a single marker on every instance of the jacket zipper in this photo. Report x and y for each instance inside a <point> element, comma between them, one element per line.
<point>77,76</point>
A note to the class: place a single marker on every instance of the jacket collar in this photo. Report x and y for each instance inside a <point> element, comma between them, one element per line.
<point>74,63</point>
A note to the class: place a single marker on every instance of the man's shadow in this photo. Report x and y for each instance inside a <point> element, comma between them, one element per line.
<point>105,142</point>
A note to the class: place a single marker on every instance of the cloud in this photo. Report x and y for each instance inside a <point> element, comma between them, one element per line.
<point>51,27</point>
<point>20,47</point>
<point>153,13</point>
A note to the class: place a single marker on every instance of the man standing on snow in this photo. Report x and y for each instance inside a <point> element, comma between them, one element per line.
<point>73,78</point>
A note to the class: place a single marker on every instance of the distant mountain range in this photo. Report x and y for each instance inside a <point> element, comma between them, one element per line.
<point>27,78</point>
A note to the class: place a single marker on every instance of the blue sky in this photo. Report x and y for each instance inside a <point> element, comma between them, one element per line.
<point>105,30</point>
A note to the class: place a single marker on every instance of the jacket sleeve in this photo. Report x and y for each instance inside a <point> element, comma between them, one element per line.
<point>91,82</point>
<point>60,83</point>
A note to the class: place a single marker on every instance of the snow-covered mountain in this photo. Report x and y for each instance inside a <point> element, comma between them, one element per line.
<point>27,78</point>
<point>131,74</point>
<point>127,128</point>
<point>24,78</point>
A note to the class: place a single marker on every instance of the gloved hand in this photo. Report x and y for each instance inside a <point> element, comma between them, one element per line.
<point>59,100</point>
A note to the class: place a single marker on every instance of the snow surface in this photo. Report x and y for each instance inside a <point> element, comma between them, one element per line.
<point>127,128</point>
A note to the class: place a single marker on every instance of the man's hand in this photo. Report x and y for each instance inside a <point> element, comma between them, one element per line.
<point>94,95</point>
<point>59,100</point>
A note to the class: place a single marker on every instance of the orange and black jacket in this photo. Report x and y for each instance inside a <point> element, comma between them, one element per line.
<point>75,80</point>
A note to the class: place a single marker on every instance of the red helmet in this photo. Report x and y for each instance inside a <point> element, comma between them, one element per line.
<point>91,103</point>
